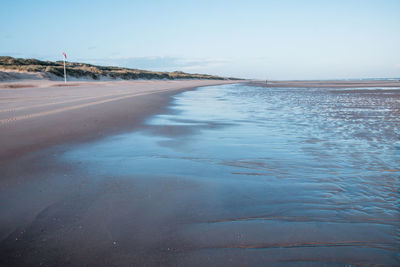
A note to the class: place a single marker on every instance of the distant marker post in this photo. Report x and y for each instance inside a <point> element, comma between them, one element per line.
<point>65,72</point>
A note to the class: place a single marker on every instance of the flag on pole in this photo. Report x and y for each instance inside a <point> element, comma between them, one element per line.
<point>65,72</point>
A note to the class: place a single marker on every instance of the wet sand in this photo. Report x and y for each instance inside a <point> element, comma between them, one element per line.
<point>330,84</point>
<point>38,120</point>
<point>37,113</point>
<point>62,213</point>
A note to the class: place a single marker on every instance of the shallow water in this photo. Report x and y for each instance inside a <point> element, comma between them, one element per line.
<point>275,175</point>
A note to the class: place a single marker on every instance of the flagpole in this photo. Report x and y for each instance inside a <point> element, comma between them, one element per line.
<point>65,73</point>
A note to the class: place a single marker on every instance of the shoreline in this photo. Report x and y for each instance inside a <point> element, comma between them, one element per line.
<point>329,84</point>
<point>121,204</point>
<point>37,117</point>
<point>35,184</point>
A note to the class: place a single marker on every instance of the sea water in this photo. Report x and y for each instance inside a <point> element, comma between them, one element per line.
<point>296,174</point>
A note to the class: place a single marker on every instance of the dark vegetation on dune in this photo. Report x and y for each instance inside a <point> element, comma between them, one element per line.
<point>83,70</point>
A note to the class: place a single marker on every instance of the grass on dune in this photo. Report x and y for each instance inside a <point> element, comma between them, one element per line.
<point>83,70</point>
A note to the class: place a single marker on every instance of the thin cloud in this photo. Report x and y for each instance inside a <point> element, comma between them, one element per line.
<point>159,63</point>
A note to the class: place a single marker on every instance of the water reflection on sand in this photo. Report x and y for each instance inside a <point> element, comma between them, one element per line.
<point>268,175</point>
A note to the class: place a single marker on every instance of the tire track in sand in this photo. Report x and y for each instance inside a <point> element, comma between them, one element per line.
<point>54,111</point>
<point>77,99</point>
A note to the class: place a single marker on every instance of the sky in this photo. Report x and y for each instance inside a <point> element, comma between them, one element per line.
<point>281,39</point>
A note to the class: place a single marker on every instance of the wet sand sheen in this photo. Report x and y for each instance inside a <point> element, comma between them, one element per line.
<point>311,190</point>
<point>52,113</point>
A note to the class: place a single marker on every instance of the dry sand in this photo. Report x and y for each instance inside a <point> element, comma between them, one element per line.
<point>39,113</point>
<point>57,214</point>
<point>38,119</point>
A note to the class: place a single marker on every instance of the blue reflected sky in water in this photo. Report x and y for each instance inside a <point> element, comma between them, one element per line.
<point>296,128</point>
<point>206,133</point>
<point>316,155</point>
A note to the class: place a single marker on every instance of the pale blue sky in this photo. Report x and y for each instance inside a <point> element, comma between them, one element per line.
<point>282,39</point>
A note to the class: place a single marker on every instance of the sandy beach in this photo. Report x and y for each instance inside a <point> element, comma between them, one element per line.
<point>200,133</point>
<point>226,175</point>
<point>39,113</point>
